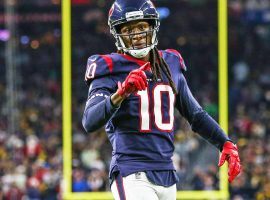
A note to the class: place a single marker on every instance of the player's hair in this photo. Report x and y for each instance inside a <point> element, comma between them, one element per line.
<point>158,64</point>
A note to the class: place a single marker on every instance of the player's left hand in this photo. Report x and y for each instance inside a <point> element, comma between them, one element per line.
<point>230,153</point>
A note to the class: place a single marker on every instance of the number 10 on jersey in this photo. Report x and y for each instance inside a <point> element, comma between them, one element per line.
<point>153,109</point>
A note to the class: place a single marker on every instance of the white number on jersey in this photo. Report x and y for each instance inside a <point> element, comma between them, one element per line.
<point>90,72</point>
<point>145,111</point>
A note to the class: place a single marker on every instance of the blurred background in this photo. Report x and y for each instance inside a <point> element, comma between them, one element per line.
<point>31,96</point>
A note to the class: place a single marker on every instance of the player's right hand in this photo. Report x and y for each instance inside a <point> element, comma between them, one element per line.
<point>135,81</point>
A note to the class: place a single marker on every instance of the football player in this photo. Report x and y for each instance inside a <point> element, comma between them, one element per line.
<point>134,92</point>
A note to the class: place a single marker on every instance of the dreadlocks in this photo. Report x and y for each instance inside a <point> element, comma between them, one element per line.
<point>158,64</point>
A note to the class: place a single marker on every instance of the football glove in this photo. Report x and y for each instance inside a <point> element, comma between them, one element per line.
<point>135,81</point>
<point>230,153</point>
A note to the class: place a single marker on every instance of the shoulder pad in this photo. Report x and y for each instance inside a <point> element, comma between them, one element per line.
<point>178,55</point>
<point>98,66</point>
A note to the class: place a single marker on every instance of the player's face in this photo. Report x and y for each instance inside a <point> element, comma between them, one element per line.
<point>136,34</point>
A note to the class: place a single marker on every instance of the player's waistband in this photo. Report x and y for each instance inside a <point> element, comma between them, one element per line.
<point>133,166</point>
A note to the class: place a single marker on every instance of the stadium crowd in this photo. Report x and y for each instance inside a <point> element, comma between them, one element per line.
<point>31,158</point>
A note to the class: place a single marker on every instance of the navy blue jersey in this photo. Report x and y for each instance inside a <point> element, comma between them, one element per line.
<point>141,130</point>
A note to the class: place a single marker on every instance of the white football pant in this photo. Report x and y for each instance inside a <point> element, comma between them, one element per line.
<point>137,187</point>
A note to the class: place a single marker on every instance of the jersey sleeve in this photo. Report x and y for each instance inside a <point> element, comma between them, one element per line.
<point>200,121</point>
<point>98,109</point>
<point>98,66</point>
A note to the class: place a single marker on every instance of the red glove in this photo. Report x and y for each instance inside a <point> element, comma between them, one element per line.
<point>135,81</point>
<point>230,153</point>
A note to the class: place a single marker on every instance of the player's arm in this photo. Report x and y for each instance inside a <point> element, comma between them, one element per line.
<point>200,121</point>
<point>102,103</point>
<point>207,127</point>
<point>99,107</point>
<point>117,99</point>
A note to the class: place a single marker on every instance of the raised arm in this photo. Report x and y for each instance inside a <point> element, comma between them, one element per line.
<point>103,102</point>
